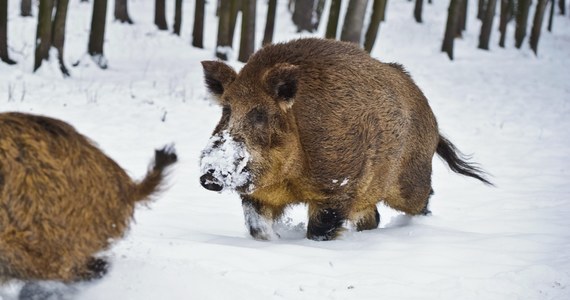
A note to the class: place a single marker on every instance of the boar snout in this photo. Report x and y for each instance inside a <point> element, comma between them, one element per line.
<point>209,182</point>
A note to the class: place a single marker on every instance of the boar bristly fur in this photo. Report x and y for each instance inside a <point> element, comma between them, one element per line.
<point>62,200</point>
<point>329,126</point>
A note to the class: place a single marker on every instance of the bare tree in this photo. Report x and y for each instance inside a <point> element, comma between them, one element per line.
<point>4,33</point>
<point>551,16</point>
<point>505,16</point>
<point>247,41</point>
<point>537,25</point>
<point>223,42</point>
<point>303,15</point>
<point>160,14</point>
<point>418,10</point>
<point>25,8</point>
<point>58,32</point>
<point>270,22</point>
<point>332,24</point>
<point>122,12</point>
<point>375,19</point>
<point>318,14</point>
<point>451,27</point>
<point>43,33</point>
<point>562,6</point>
<point>487,25</point>
<point>462,22</point>
<point>198,30</point>
<point>97,33</point>
<point>522,19</point>
<point>482,4</point>
<point>235,7</point>
<point>354,21</point>
<point>177,17</point>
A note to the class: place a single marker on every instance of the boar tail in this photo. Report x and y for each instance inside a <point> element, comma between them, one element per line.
<point>156,173</point>
<point>458,163</point>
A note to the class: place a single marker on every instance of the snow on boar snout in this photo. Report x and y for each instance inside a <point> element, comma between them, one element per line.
<point>224,164</point>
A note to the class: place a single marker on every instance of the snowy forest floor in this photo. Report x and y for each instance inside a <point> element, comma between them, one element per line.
<point>508,107</point>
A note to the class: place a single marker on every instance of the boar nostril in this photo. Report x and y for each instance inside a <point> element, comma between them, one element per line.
<point>209,182</point>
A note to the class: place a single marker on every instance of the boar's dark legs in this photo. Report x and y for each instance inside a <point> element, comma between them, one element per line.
<point>325,222</point>
<point>259,218</point>
<point>368,219</point>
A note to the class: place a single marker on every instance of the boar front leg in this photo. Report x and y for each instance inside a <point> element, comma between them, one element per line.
<point>259,218</point>
<point>325,221</point>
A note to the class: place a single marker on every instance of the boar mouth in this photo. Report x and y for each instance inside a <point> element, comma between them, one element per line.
<point>224,164</point>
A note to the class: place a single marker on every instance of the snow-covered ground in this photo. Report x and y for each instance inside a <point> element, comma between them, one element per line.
<point>508,107</point>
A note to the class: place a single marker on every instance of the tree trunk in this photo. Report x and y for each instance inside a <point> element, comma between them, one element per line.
<point>462,23</point>
<point>418,10</point>
<point>223,42</point>
<point>122,12</point>
<point>503,21</point>
<point>332,23</point>
<point>481,9</point>
<point>235,7</point>
<point>160,14</point>
<point>383,10</point>
<point>25,8</point>
<point>551,17</point>
<point>97,34</point>
<point>43,33</point>
<point>537,25</point>
<point>522,19</point>
<point>177,17</point>
<point>318,14</point>
<point>58,33</point>
<point>562,5</point>
<point>247,42</point>
<point>372,31</point>
<point>451,27</point>
<point>353,21</point>
<point>487,25</point>
<point>4,33</point>
<point>198,30</point>
<point>270,22</point>
<point>303,15</point>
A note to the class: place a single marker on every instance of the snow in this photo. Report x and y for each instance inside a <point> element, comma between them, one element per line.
<point>508,107</point>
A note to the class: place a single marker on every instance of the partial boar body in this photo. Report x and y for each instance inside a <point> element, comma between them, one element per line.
<point>62,200</point>
<point>321,122</point>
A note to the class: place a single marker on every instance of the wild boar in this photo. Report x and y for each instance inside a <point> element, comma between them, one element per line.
<point>62,200</point>
<point>321,122</point>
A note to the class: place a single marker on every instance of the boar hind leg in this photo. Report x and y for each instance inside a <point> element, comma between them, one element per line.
<point>259,218</point>
<point>325,222</point>
<point>367,219</point>
<point>95,268</point>
<point>411,194</point>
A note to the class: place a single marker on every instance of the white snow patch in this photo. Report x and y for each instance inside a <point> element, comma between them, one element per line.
<point>228,159</point>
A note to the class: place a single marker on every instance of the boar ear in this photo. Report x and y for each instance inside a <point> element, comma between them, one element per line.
<point>217,76</point>
<point>281,82</point>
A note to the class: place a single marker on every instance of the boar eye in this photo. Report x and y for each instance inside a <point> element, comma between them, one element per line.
<point>258,116</point>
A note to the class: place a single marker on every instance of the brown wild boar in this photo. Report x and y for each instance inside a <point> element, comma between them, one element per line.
<point>321,122</point>
<point>62,200</point>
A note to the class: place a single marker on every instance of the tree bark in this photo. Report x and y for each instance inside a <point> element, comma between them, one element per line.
<point>562,6</point>
<point>487,25</point>
<point>198,30</point>
<point>522,19</point>
<point>318,14</point>
<point>160,14</point>
<point>97,34</point>
<point>462,22</point>
<point>25,8</point>
<point>270,22</point>
<point>303,15</point>
<point>503,22</point>
<point>418,10</point>
<point>122,12</point>
<point>58,33</point>
<point>375,19</point>
<point>4,33</point>
<point>332,23</point>
<point>177,17</point>
<point>481,9</point>
<point>354,21</point>
<point>223,31</point>
<point>235,7</point>
<point>537,25</point>
<point>384,5</point>
<point>247,42</point>
<point>451,27</point>
<point>551,17</point>
<point>43,33</point>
